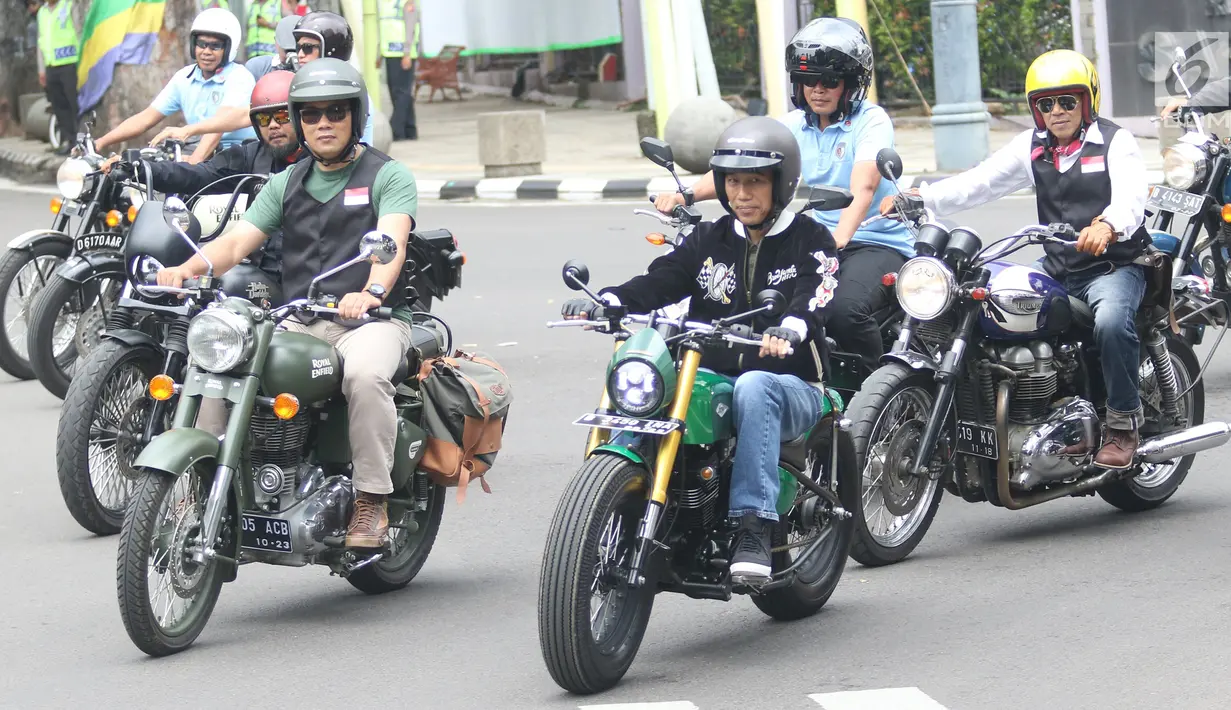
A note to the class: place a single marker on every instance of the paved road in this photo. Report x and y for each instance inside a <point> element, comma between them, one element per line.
<point>1069,605</point>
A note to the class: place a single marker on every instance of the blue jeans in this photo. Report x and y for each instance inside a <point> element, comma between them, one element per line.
<point>768,410</point>
<point>1115,298</point>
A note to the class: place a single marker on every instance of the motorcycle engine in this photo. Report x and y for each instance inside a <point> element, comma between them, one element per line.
<point>277,455</point>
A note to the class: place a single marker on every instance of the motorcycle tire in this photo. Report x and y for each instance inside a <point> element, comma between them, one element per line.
<point>1148,491</point>
<point>606,489</point>
<point>40,345</point>
<point>865,411</point>
<point>397,571</point>
<point>84,406</point>
<point>11,264</point>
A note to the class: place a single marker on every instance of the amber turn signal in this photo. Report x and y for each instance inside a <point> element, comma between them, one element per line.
<point>162,387</point>
<point>1226,212</point>
<point>286,406</point>
<point>113,218</point>
<point>889,279</point>
<point>57,203</point>
<point>132,214</point>
<point>656,239</point>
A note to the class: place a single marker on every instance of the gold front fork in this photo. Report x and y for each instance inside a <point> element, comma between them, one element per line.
<point>598,436</point>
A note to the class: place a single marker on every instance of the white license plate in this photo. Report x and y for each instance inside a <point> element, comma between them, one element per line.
<point>1171,200</point>
<point>638,426</point>
<point>977,440</point>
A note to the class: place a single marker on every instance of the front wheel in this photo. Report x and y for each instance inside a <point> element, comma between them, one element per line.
<point>1159,481</point>
<point>23,274</point>
<point>408,549</point>
<point>65,319</point>
<point>896,508</point>
<point>591,621</point>
<point>165,597</point>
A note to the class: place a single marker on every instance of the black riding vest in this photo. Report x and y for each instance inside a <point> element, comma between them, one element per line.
<point>1076,197</point>
<point>317,237</point>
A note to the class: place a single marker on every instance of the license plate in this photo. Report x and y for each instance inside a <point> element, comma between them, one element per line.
<point>638,426</point>
<point>977,440</point>
<point>1171,200</point>
<point>266,534</point>
<point>93,242</point>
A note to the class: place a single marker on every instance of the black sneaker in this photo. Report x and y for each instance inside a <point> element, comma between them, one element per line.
<point>750,557</point>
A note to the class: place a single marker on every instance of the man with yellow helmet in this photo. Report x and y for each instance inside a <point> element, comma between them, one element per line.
<point>1087,172</point>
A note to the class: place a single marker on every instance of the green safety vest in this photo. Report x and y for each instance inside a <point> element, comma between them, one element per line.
<point>393,30</point>
<point>261,39</point>
<point>218,3</point>
<point>57,34</point>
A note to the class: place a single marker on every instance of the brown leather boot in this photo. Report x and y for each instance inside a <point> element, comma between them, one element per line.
<point>370,522</point>
<point>1118,452</point>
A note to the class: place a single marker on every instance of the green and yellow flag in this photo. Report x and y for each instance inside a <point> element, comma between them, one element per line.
<point>115,31</point>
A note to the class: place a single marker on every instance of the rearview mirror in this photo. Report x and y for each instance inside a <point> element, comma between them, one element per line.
<point>889,163</point>
<point>659,152</point>
<point>772,301</point>
<point>576,275</point>
<point>828,199</point>
<point>379,246</point>
<point>176,213</point>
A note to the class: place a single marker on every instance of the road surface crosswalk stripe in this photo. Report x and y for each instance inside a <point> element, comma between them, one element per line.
<point>881,699</point>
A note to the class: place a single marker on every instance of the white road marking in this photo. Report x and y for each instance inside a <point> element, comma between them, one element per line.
<point>882,699</point>
<point>672,705</point>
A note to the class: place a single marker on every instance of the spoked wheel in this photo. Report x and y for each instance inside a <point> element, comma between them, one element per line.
<point>591,621</point>
<point>409,545</point>
<point>165,597</point>
<point>1159,481</point>
<point>60,319</point>
<point>100,433</point>
<point>23,273</point>
<point>810,518</point>
<point>896,507</point>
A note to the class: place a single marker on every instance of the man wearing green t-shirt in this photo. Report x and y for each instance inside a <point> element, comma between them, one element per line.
<point>323,207</point>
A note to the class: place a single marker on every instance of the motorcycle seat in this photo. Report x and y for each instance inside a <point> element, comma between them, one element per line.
<point>425,342</point>
<point>795,452</point>
<point>1083,314</point>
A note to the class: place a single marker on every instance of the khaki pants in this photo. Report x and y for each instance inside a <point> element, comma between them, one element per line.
<point>370,354</point>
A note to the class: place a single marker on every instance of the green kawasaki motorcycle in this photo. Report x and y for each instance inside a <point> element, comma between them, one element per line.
<point>649,514</point>
<point>276,487</point>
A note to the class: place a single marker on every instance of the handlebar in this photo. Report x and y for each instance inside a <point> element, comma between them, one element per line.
<point>689,326</point>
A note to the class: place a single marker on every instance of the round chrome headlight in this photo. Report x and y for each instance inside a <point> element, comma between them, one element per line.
<point>219,339</point>
<point>70,178</point>
<point>925,287</point>
<point>636,388</point>
<point>1184,165</point>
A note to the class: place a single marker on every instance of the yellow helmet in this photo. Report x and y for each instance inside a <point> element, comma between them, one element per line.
<point>1063,71</point>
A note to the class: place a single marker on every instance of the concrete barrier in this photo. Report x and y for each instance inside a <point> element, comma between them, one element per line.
<point>694,127</point>
<point>36,118</point>
<point>512,143</point>
<point>382,131</point>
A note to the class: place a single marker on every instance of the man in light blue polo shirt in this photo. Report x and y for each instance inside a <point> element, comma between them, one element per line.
<point>214,86</point>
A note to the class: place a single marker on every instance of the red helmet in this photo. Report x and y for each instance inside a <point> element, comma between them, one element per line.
<point>270,92</point>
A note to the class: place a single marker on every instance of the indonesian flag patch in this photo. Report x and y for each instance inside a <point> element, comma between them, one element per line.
<point>355,196</point>
<point>1094,164</point>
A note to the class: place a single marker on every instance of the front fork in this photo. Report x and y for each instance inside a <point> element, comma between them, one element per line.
<point>663,465</point>
<point>599,436</point>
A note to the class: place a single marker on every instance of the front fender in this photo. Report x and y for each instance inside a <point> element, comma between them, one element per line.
<point>133,338</point>
<point>175,451</point>
<point>35,237</point>
<point>87,267</point>
<point>911,359</point>
<point>622,451</point>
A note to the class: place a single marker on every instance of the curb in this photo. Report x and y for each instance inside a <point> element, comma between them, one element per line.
<point>22,166</point>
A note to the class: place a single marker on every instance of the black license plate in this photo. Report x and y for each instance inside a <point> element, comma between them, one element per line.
<point>1171,200</point>
<point>637,426</point>
<point>266,534</point>
<point>977,440</point>
<point>94,242</point>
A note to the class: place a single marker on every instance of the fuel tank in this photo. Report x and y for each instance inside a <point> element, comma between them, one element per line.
<point>1023,303</point>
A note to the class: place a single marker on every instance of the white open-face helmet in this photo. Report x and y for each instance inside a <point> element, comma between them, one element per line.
<point>218,22</point>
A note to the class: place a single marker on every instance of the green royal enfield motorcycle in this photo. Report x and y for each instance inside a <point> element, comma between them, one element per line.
<point>640,518</point>
<point>276,487</point>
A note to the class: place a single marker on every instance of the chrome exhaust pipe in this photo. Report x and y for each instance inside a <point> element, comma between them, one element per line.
<point>1161,449</point>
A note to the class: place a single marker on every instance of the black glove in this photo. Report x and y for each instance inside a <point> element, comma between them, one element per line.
<point>914,203</point>
<point>584,307</point>
<point>121,171</point>
<point>786,334</point>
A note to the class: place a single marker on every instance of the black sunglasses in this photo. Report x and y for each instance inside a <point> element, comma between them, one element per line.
<point>826,80</point>
<point>206,44</point>
<point>1047,103</point>
<point>306,48</point>
<point>334,112</point>
<point>281,117</point>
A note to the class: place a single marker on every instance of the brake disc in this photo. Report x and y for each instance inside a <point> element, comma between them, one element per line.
<point>901,489</point>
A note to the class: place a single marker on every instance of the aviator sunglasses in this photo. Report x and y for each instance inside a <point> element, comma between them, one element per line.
<point>334,112</point>
<point>206,44</point>
<point>281,117</point>
<point>828,81</point>
<point>307,48</point>
<point>1047,103</point>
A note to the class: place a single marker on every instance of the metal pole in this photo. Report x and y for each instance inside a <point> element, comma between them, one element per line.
<point>857,10</point>
<point>960,118</point>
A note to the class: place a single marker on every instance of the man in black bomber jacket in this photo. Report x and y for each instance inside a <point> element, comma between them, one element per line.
<point>721,266</point>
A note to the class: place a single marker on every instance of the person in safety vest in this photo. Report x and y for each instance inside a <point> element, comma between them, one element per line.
<point>214,85</point>
<point>58,47</point>
<point>399,20</point>
<point>1087,172</point>
<point>285,58</point>
<point>263,16</point>
<point>323,206</point>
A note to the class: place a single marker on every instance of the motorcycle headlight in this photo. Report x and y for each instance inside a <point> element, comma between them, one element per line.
<point>1184,165</point>
<point>636,388</point>
<point>925,287</point>
<point>142,267</point>
<point>70,178</point>
<point>219,339</point>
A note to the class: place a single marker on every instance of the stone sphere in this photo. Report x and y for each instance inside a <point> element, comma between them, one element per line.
<point>382,131</point>
<point>694,127</point>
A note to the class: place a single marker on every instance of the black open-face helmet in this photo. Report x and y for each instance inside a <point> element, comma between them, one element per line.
<point>831,47</point>
<point>331,30</point>
<point>752,145</point>
<point>329,80</point>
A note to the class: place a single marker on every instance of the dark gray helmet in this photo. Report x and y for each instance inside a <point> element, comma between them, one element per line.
<point>284,33</point>
<point>329,80</point>
<point>754,144</point>
<point>835,47</point>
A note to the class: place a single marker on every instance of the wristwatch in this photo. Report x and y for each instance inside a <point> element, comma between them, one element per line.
<point>377,290</point>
